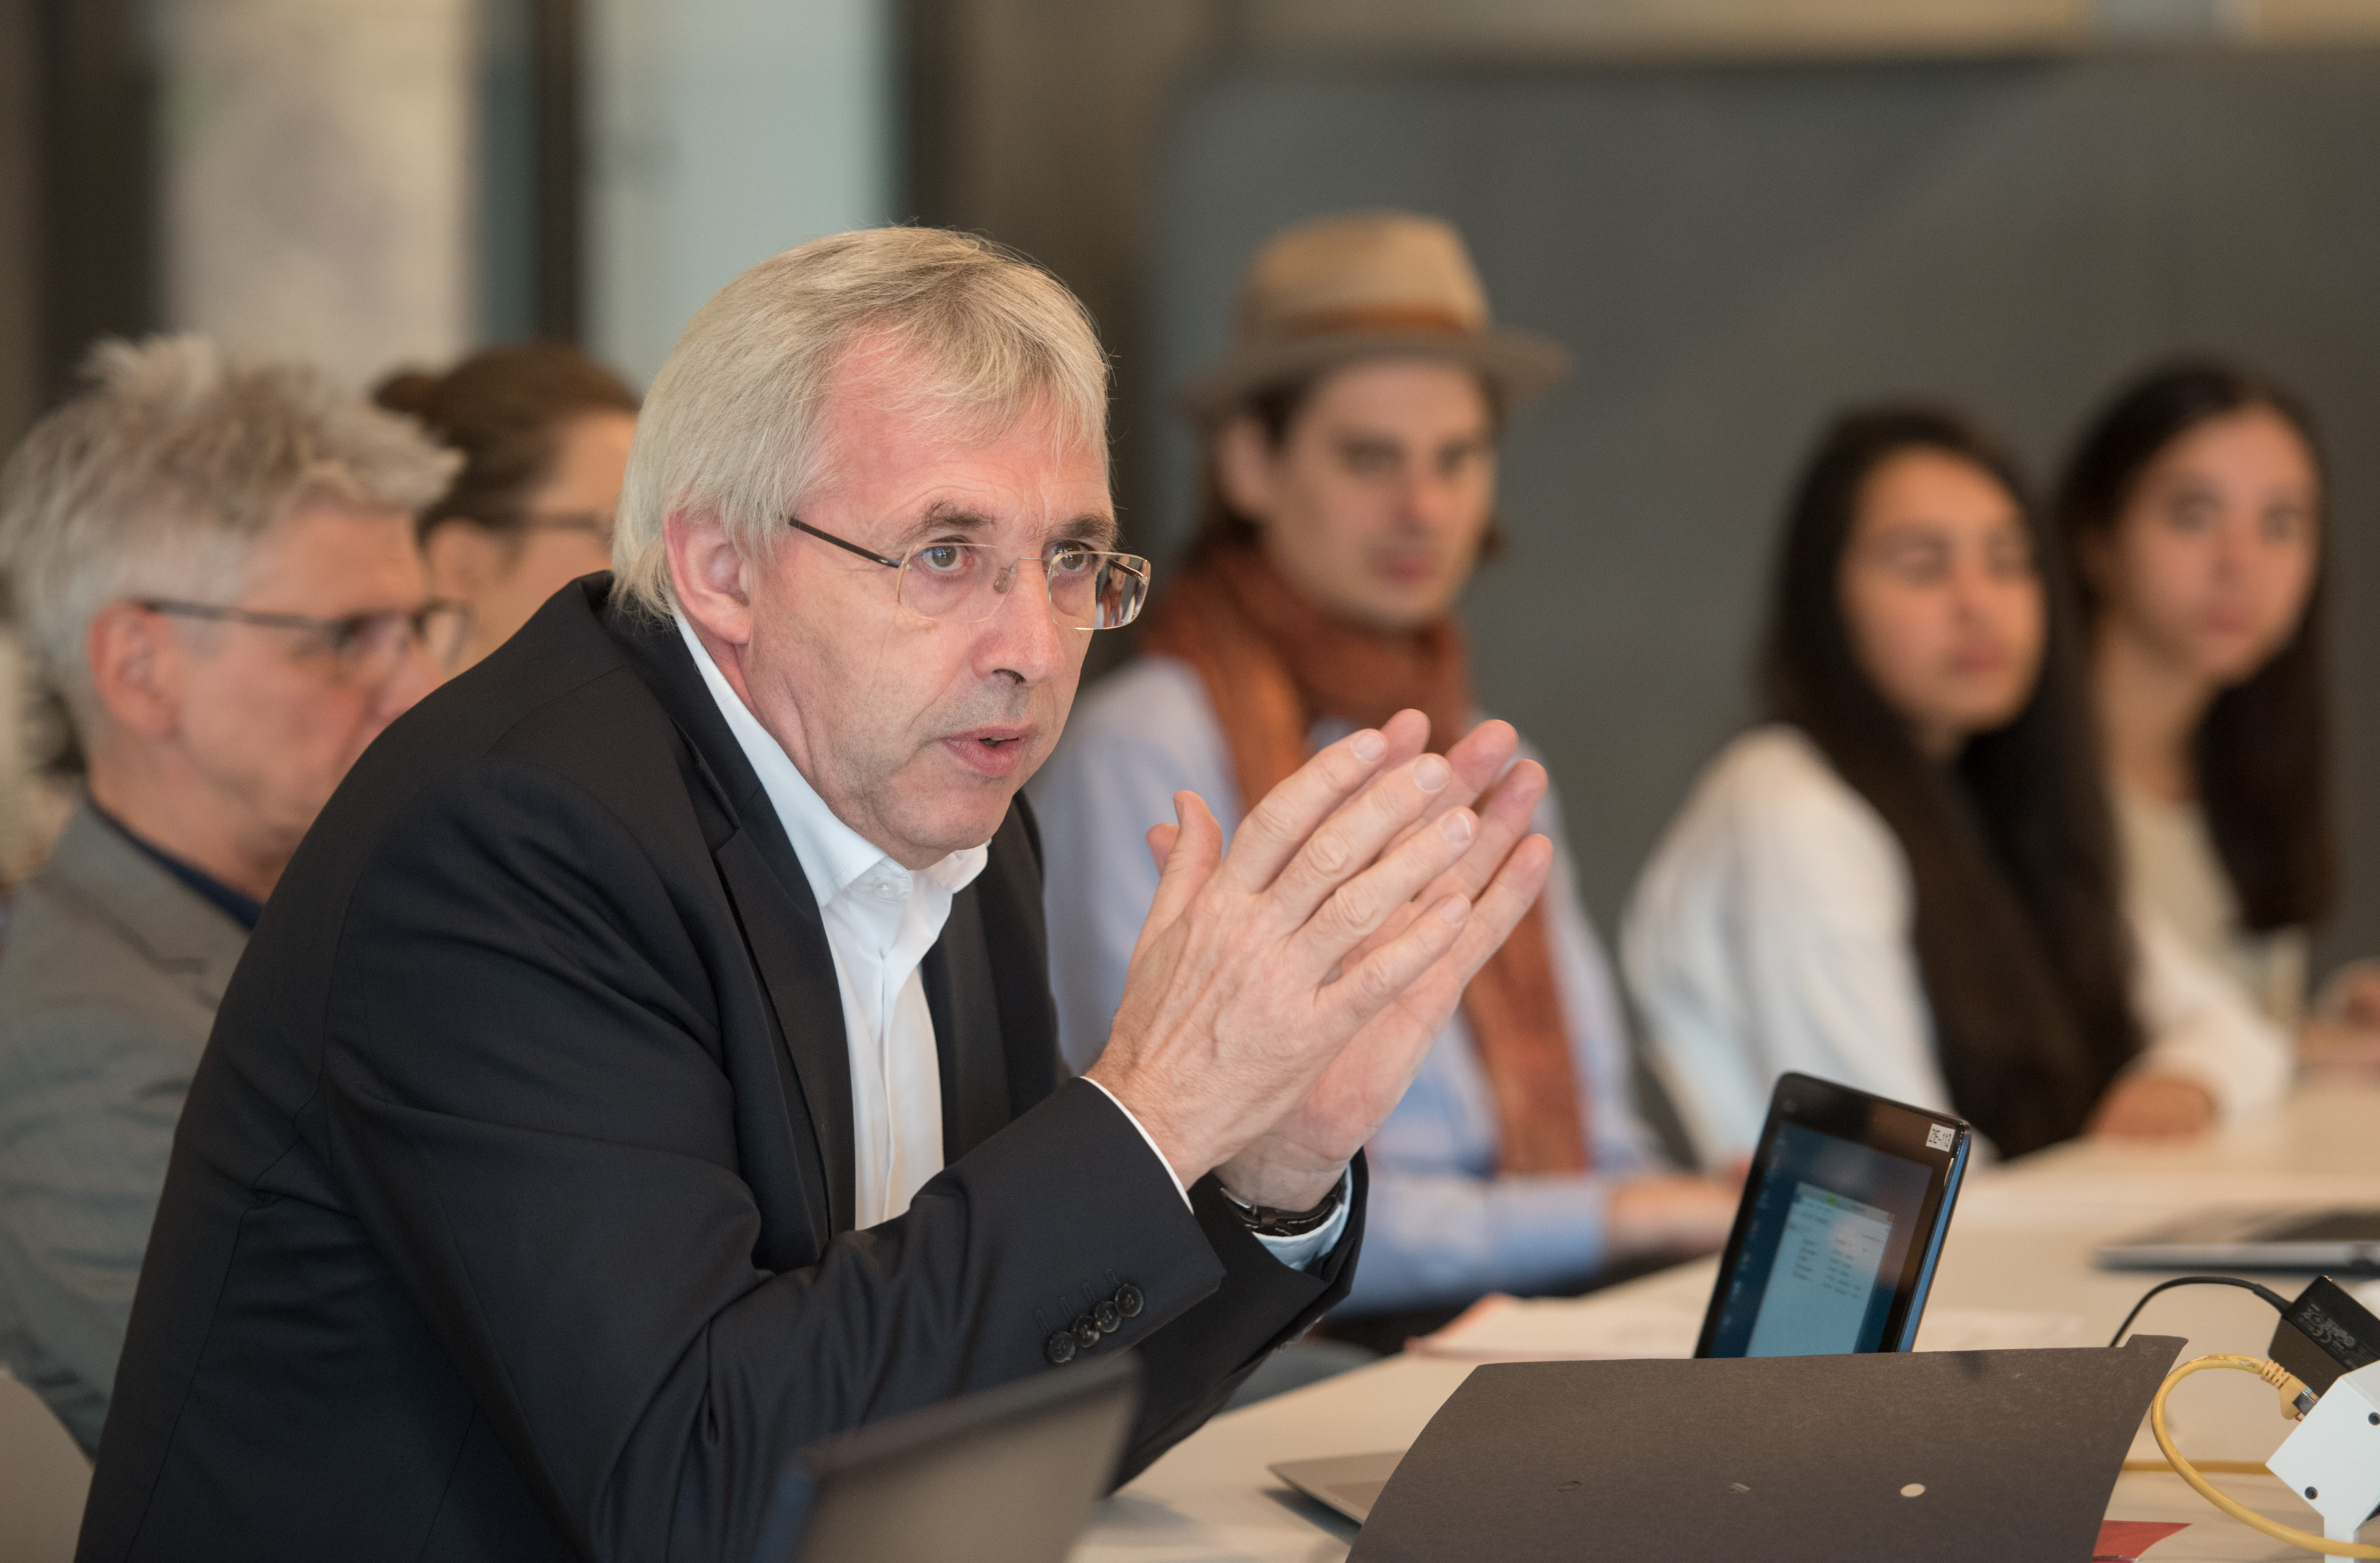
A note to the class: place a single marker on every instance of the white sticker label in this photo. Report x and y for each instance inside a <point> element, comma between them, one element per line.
<point>1940,1136</point>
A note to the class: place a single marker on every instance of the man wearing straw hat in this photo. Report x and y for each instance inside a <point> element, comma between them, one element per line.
<point>1349,476</point>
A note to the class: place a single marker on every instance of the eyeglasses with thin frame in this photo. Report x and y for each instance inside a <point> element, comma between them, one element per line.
<point>368,646</point>
<point>965,582</point>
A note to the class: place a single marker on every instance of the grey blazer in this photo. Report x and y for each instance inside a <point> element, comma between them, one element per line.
<point>108,987</point>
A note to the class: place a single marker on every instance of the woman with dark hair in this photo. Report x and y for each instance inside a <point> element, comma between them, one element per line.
<point>2192,514</point>
<point>544,433</point>
<point>1907,881</point>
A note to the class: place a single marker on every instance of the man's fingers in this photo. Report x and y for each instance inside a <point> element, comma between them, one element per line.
<point>1406,733</point>
<point>1477,761</point>
<point>1160,840</point>
<point>1502,823</point>
<point>1286,818</point>
<point>1430,995</point>
<point>1483,754</point>
<point>1523,788</point>
<point>1380,978</point>
<point>1371,829</point>
<point>1374,906</point>
<point>1189,861</point>
<point>1496,911</point>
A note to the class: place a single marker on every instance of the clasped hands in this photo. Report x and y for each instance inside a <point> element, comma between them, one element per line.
<point>1282,995</point>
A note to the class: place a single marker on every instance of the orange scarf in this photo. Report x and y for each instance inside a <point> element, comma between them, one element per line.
<point>1273,665</point>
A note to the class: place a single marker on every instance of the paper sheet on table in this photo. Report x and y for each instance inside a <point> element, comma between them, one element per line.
<point>1545,1329</point>
<point>1513,1329</point>
<point>2122,1198</point>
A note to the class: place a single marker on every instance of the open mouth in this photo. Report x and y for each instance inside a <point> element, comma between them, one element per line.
<point>993,751</point>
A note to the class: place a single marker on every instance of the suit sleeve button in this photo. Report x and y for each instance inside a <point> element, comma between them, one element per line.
<point>1086,1334</point>
<point>1107,1315</point>
<point>1060,1347</point>
<point>1128,1300</point>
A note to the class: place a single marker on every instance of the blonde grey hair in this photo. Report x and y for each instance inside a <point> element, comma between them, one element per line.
<point>732,428</point>
<point>164,475</point>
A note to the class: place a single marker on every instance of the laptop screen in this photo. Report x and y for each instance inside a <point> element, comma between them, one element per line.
<point>1828,1229</point>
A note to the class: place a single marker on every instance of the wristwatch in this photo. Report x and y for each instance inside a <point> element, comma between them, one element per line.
<point>1267,1220</point>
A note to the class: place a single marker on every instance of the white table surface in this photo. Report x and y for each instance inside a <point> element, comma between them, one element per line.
<point>2022,1239</point>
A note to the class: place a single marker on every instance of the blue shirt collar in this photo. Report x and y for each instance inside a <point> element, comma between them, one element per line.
<point>239,906</point>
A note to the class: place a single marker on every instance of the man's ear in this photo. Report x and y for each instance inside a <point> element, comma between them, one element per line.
<point>1244,467</point>
<point>137,665</point>
<point>709,576</point>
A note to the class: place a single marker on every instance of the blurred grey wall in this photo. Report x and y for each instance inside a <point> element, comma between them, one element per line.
<point>719,133</point>
<point>1735,250</point>
<point>315,178</point>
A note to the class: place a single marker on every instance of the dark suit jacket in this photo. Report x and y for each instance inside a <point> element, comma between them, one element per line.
<point>511,1212</point>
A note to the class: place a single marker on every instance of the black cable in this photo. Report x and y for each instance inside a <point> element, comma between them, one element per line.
<point>2280,1304</point>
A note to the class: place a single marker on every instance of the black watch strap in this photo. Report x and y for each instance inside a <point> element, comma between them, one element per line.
<point>1267,1220</point>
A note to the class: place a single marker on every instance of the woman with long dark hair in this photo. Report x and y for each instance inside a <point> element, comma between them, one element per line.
<point>1908,880</point>
<point>2192,514</point>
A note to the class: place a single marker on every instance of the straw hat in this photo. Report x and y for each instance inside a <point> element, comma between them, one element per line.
<point>1367,284</point>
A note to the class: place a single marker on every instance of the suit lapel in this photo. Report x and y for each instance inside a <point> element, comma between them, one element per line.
<point>961,994</point>
<point>774,904</point>
<point>789,948</point>
<point>1008,903</point>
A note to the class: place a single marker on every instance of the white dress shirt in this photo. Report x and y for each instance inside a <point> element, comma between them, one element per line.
<point>1772,931</point>
<point>2170,866</point>
<point>880,920</point>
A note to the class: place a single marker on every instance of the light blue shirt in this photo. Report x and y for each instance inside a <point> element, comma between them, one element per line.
<point>1442,1227</point>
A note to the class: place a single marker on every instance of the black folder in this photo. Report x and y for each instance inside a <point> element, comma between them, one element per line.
<point>1006,1475</point>
<point>1949,1457</point>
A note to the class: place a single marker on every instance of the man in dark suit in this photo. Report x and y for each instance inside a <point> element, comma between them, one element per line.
<point>648,1065</point>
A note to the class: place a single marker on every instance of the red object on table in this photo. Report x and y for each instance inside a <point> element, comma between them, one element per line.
<point>2121,1540</point>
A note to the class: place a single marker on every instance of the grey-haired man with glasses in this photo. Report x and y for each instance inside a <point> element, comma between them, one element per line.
<point>647,1067</point>
<point>213,561</point>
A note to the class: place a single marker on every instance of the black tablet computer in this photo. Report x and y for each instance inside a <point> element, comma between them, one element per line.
<point>1839,1228</point>
<point>1006,1475</point>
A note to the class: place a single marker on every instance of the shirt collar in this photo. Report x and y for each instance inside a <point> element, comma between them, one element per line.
<point>239,905</point>
<point>831,854</point>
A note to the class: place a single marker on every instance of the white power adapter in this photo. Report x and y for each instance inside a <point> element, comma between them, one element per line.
<point>2333,1459</point>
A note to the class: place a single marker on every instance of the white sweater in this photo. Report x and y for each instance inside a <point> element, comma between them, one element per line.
<point>1771,931</point>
